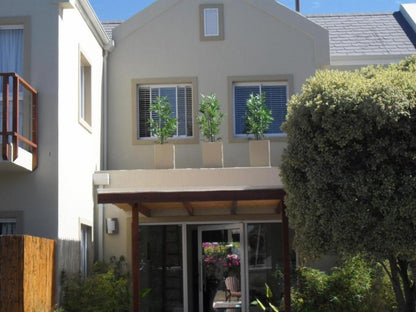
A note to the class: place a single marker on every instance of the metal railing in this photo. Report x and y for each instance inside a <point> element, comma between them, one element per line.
<point>19,117</point>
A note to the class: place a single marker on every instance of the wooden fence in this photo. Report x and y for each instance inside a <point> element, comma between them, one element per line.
<point>27,274</point>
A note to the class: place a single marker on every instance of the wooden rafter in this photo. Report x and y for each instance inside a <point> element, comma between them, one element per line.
<point>144,210</point>
<point>234,207</point>
<point>189,208</point>
<point>278,207</point>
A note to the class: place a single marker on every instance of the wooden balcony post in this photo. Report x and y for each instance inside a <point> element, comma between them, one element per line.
<point>5,112</point>
<point>35,129</point>
<point>15,117</point>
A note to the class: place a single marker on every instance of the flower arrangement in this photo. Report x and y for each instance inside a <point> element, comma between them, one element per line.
<point>221,259</point>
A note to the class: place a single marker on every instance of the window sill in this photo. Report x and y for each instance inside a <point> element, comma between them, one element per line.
<point>176,141</point>
<point>234,139</point>
<point>85,125</point>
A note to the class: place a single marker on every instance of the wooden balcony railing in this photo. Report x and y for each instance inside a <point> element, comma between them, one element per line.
<point>19,105</point>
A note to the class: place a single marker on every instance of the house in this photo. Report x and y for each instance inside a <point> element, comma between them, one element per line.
<point>83,171</point>
<point>55,51</point>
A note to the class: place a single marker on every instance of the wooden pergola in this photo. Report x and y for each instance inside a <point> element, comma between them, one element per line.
<point>144,201</point>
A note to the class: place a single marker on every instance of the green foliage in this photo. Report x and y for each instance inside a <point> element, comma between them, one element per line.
<point>349,168</point>
<point>269,296</point>
<point>162,125</point>
<point>105,290</point>
<point>210,117</point>
<point>353,287</point>
<point>258,117</point>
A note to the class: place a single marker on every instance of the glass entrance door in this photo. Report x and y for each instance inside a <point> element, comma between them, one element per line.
<point>221,281</point>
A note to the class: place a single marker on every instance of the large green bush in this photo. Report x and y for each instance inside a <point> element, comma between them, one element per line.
<point>105,290</point>
<point>353,287</point>
<point>349,169</point>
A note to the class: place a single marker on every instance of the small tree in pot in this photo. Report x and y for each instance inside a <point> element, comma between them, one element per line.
<point>258,117</point>
<point>209,120</point>
<point>162,125</point>
<point>257,121</point>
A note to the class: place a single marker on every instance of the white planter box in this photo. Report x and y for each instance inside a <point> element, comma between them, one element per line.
<point>259,153</point>
<point>212,155</point>
<point>164,156</point>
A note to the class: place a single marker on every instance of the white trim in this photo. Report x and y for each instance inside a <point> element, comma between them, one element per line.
<point>8,220</point>
<point>12,27</point>
<point>363,60</point>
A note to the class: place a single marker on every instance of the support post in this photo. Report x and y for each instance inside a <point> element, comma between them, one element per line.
<point>286,256</point>
<point>135,257</point>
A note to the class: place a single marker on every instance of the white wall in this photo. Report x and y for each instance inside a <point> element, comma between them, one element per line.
<point>79,147</point>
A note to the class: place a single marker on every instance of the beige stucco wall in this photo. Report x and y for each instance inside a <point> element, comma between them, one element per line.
<point>262,38</point>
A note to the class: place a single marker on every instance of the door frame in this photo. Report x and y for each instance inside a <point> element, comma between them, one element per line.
<point>243,265</point>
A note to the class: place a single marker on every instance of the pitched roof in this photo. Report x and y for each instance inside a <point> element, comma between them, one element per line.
<point>368,34</point>
<point>109,26</point>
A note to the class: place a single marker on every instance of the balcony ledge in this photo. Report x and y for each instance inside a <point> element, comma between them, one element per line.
<point>23,163</point>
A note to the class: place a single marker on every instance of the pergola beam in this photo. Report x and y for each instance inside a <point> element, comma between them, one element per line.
<point>189,208</point>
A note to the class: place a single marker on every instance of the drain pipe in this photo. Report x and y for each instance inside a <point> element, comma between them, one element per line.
<point>298,6</point>
<point>101,216</point>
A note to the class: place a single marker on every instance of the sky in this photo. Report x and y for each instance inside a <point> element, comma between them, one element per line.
<point>124,9</point>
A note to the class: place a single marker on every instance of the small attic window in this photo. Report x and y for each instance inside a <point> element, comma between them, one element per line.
<point>211,22</point>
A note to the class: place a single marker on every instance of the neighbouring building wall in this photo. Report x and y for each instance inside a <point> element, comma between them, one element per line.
<point>80,75</point>
<point>261,39</point>
<point>34,196</point>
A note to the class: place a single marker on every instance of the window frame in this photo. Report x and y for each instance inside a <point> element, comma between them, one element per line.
<point>85,92</point>
<point>163,82</point>
<point>220,22</point>
<point>277,80</point>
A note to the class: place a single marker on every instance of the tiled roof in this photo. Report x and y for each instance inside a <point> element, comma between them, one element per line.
<point>368,34</point>
<point>108,27</point>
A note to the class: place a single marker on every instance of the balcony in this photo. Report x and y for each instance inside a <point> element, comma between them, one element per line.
<point>18,124</point>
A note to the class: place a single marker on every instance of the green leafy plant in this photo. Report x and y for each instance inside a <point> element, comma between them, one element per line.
<point>269,304</point>
<point>162,125</point>
<point>105,290</point>
<point>210,117</point>
<point>351,154</point>
<point>355,286</point>
<point>258,117</point>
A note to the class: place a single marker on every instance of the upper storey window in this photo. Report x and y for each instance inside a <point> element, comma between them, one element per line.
<point>211,22</point>
<point>11,49</point>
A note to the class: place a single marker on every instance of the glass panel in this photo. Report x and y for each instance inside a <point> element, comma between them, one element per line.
<point>143,112</point>
<point>276,99</point>
<point>11,50</point>
<point>161,268</point>
<point>221,270</point>
<point>211,25</point>
<point>241,95</point>
<point>265,261</point>
<point>181,129</point>
<point>7,227</point>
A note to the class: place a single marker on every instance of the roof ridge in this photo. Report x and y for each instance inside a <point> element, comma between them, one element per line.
<point>350,14</point>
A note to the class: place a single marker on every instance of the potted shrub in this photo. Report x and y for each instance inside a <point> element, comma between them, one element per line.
<point>209,120</point>
<point>257,121</point>
<point>162,126</point>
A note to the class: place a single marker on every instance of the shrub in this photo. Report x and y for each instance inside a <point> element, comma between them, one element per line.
<point>210,117</point>
<point>354,286</point>
<point>105,290</point>
<point>162,124</point>
<point>258,117</point>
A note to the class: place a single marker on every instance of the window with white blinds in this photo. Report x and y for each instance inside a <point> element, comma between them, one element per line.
<point>276,96</point>
<point>180,99</point>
